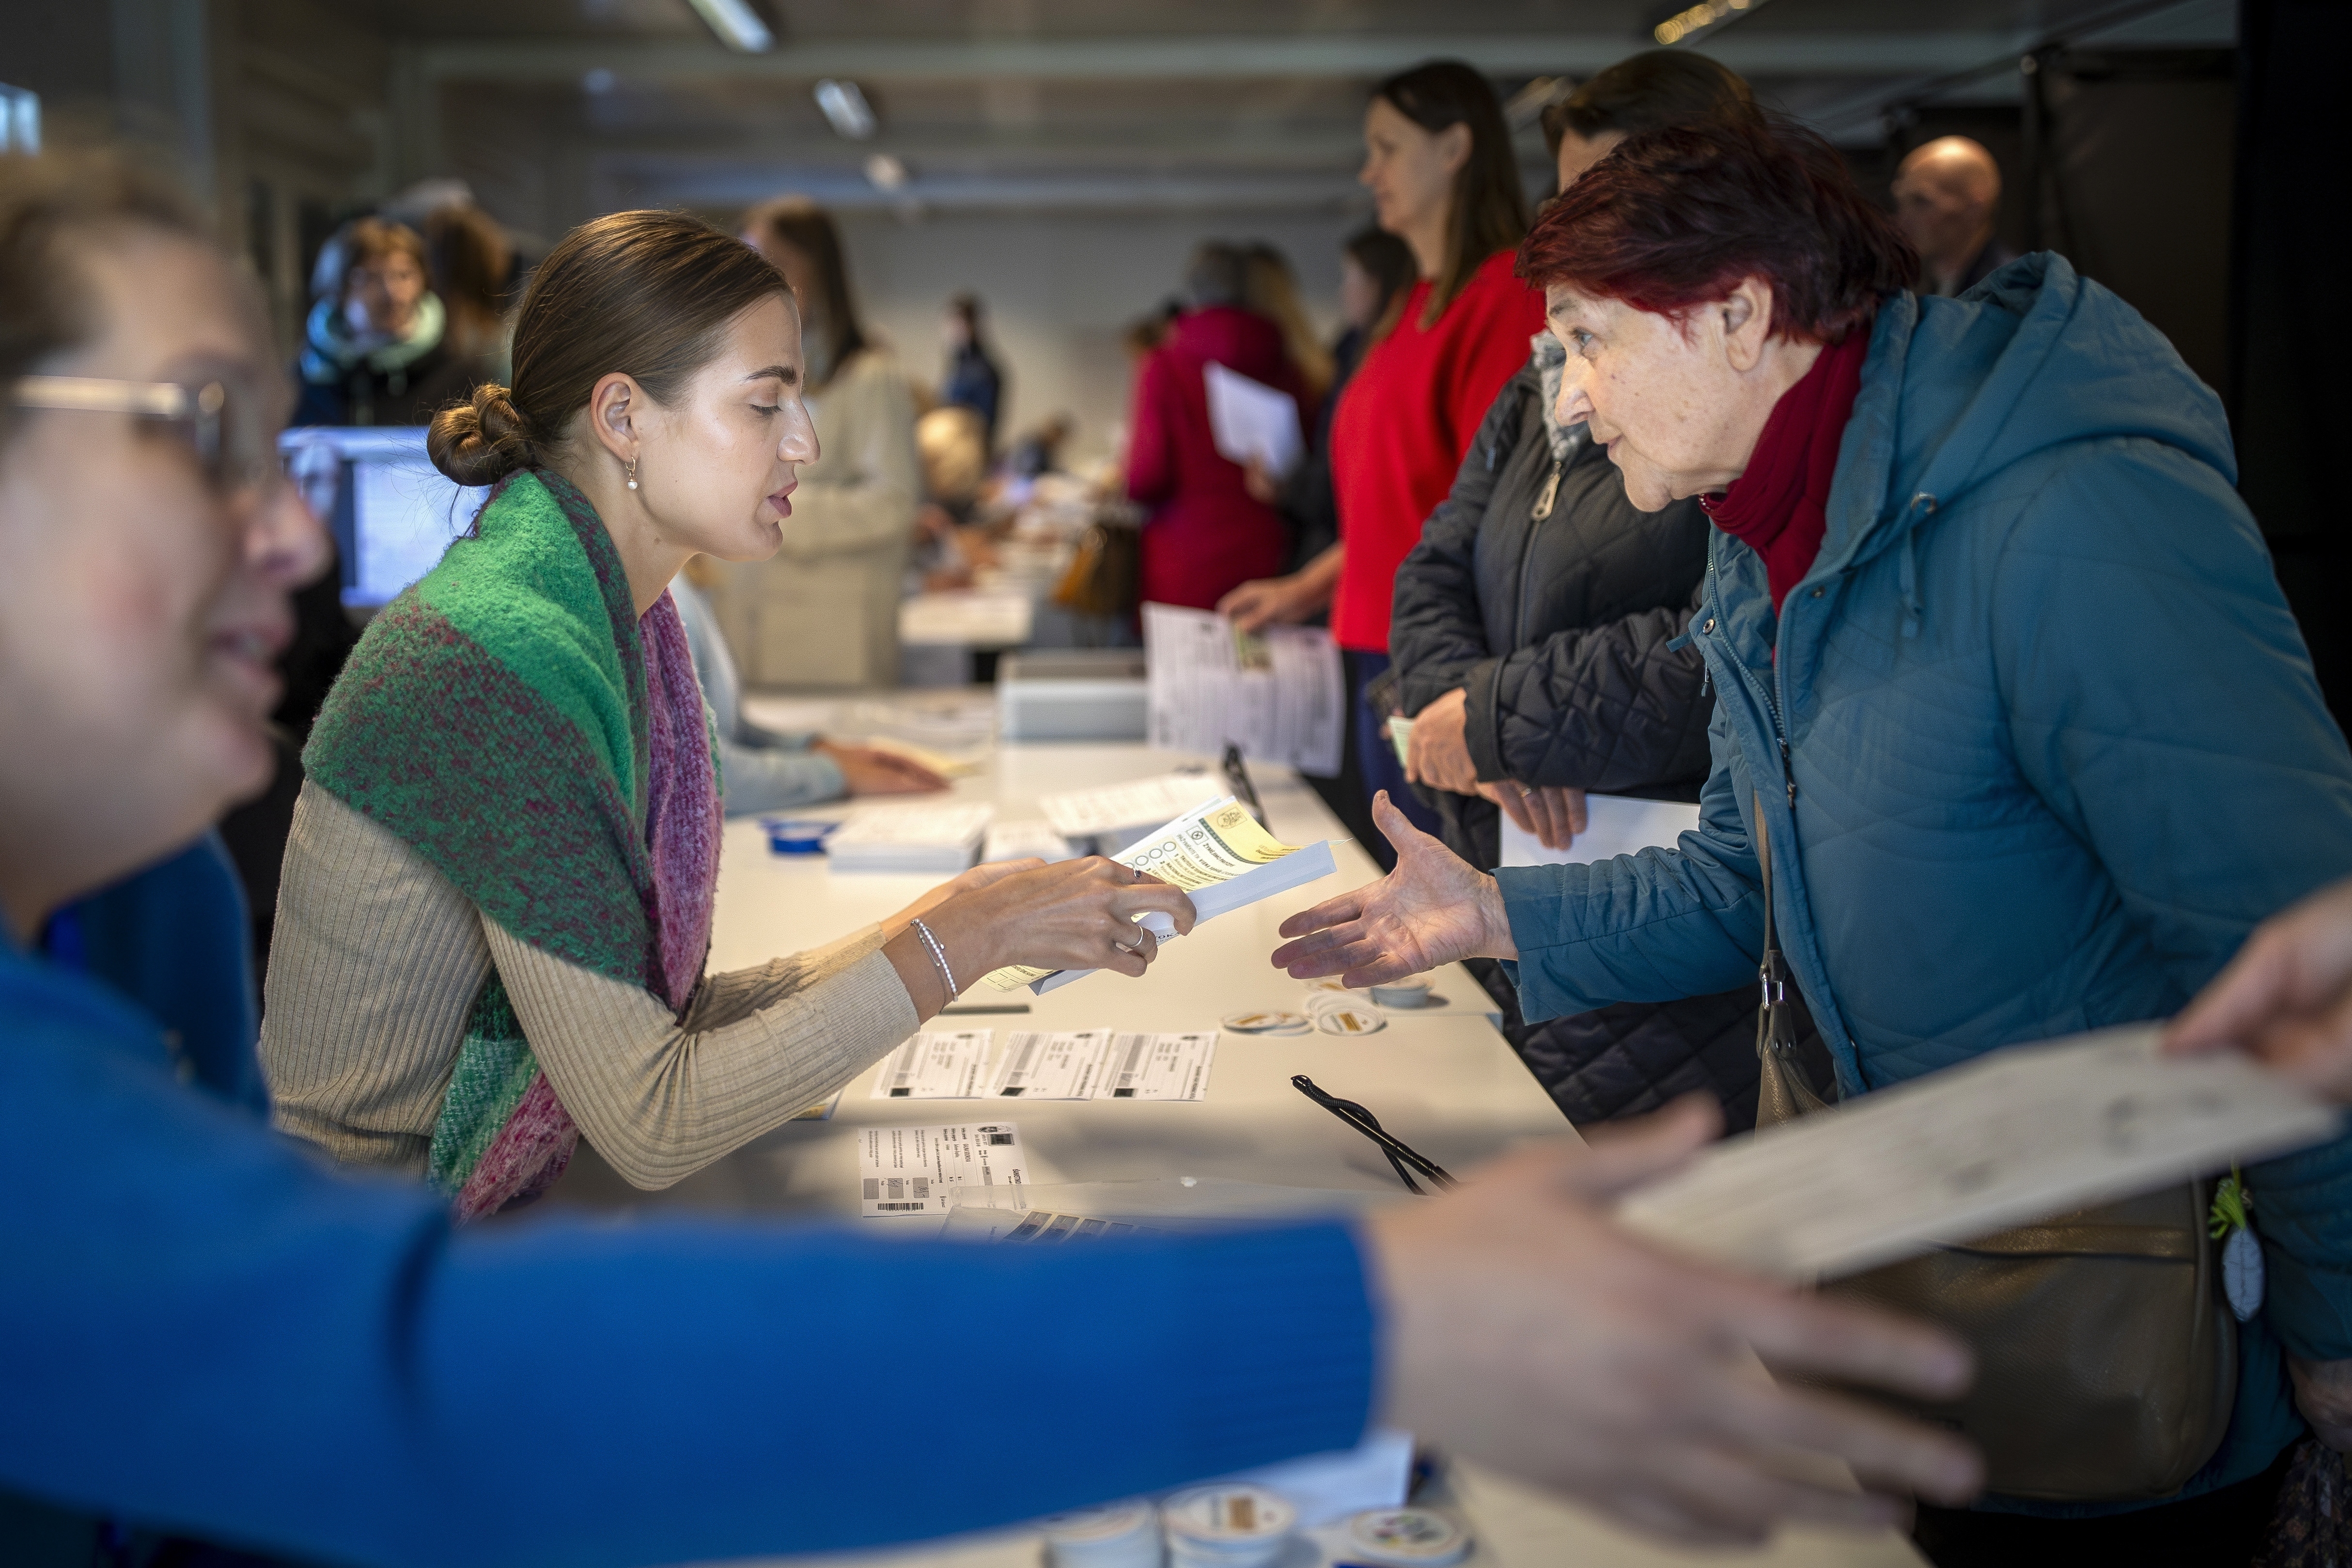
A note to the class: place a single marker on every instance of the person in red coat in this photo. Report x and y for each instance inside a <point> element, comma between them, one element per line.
<point>1206,535</point>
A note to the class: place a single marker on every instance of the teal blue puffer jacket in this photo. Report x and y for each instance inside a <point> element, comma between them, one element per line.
<point>2041,745</point>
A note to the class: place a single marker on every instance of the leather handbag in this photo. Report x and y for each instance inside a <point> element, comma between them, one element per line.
<point>1105,577</point>
<point>2106,1353</point>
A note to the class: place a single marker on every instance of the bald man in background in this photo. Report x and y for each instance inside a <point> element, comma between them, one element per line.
<point>1946,194</point>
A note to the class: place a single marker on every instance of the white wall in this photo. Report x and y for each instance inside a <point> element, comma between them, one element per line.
<point>1060,289</point>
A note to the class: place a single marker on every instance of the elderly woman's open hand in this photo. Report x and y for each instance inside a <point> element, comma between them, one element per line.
<point>1433,909</point>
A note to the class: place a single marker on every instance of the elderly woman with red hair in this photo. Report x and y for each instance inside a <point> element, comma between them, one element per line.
<point>2004,679</point>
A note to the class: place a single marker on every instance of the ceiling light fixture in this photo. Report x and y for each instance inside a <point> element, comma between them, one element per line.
<point>887,174</point>
<point>845,108</point>
<point>1706,14</point>
<point>738,26</point>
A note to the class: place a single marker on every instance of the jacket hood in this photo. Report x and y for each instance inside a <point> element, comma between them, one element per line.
<point>330,350</point>
<point>2034,357</point>
<point>1238,339</point>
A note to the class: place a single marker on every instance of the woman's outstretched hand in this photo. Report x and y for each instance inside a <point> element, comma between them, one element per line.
<point>2286,998</point>
<point>1433,909</point>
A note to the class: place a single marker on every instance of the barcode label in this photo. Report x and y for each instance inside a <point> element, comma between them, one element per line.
<point>901,1207</point>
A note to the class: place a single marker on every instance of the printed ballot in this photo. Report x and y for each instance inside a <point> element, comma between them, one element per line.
<point>1218,854</point>
<point>1137,803</point>
<point>1057,1066</point>
<point>938,1065</point>
<point>912,1170</point>
<point>1277,693</point>
<point>1248,419</point>
<point>2013,1136</point>
<point>1157,1066</point>
<point>1615,825</point>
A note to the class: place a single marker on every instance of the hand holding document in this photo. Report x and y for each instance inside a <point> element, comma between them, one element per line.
<point>2015,1135</point>
<point>1277,693</point>
<point>1219,855</point>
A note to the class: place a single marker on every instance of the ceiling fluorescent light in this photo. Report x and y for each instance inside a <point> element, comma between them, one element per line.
<point>738,26</point>
<point>1706,14</point>
<point>885,173</point>
<point>845,108</point>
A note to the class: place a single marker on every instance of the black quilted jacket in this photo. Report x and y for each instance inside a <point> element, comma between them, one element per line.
<point>1558,628</point>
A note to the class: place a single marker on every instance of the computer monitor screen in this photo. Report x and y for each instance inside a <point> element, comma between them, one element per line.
<point>391,512</point>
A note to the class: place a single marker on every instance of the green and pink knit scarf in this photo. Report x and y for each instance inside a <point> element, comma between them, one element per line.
<point>512,720</point>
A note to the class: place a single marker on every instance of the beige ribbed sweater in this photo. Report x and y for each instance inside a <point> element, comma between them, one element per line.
<point>377,959</point>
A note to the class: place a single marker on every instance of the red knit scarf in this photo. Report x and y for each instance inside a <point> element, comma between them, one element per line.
<point>1779,505</point>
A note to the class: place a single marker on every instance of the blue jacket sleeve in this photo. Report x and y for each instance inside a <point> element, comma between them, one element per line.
<point>1648,928</point>
<point>774,778</point>
<point>2162,705</point>
<point>208,1332</point>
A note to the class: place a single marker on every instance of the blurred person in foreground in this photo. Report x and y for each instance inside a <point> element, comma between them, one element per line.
<point>1205,533</point>
<point>1540,649</point>
<point>1444,179</point>
<point>823,611</point>
<point>236,1344</point>
<point>1947,196</point>
<point>1992,633</point>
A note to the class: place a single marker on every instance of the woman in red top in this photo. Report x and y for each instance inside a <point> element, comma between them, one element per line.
<point>1438,162</point>
<point>1206,533</point>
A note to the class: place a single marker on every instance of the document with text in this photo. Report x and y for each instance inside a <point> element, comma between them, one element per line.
<point>912,1170</point>
<point>1061,1065</point>
<point>1277,693</point>
<point>937,1064</point>
<point>2016,1135</point>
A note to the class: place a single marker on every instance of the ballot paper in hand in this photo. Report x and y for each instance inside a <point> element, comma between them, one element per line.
<point>1617,825</point>
<point>1218,854</point>
<point>1249,419</point>
<point>1277,693</point>
<point>2013,1136</point>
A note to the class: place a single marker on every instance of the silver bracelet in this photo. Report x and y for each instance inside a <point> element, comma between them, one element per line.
<point>939,957</point>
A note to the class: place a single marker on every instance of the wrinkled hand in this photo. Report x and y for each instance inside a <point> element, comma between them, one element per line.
<point>1526,1331</point>
<point>1076,915</point>
<point>1433,909</point>
<point>871,771</point>
<point>2286,998</point>
<point>1439,752</point>
<point>1554,814</point>
<point>1267,601</point>
<point>2323,1392</point>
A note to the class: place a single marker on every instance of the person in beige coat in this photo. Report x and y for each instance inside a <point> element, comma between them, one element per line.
<point>823,611</point>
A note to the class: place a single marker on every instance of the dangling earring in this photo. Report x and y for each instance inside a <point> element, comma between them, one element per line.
<point>632,466</point>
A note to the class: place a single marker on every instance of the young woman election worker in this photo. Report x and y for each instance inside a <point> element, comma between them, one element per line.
<point>1439,163</point>
<point>213,1335</point>
<point>2000,659</point>
<point>496,897</point>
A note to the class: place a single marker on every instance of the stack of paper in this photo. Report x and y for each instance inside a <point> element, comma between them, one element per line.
<point>1114,809</point>
<point>1215,852</point>
<point>1021,841</point>
<point>926,840</point>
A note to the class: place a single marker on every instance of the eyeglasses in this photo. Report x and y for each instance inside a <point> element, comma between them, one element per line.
<point>1400,1153</point>
<point>236,451</point>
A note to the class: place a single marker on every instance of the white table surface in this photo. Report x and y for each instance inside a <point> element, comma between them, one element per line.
<point>1444,1080</point>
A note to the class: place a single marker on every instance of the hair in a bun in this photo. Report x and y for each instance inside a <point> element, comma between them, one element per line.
<point>645,294</point>
<point>481,442</point>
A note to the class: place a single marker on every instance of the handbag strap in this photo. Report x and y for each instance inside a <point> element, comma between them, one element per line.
<point>1776,1037</point>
